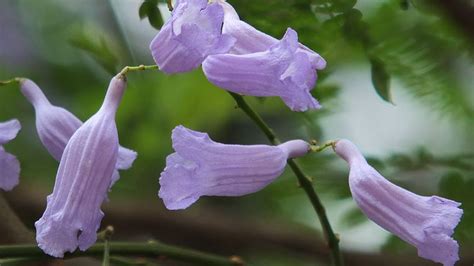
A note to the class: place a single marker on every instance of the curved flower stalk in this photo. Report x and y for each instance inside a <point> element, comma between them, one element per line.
<point>250,40</point>
<point>73,214</point>
<point>282,71</point>
<point>192,33</point>
<point>56,125</point>
<point>9,165</point>
<point>424,222</point>
<point>202,167</point>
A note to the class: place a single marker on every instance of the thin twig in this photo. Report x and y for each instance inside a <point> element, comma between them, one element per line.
<point>109,230</point>
<point>13,80</point>
<point>127,69</point>
<point>303,179</point>
<point>319,148</point>
<point>151,249</point>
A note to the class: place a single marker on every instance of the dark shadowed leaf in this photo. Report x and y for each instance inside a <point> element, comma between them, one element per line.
<point>343,5</point>
<point>381,79</point>
<point>149,9</point>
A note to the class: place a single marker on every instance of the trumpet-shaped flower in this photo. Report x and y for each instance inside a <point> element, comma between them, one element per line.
<point>202,167</point>
<point>424,222</point>
<point>282,70</point>
<point>56,125</point>
<point>192,33</point>
<point>9,165</point>
<point>73,214</point>
<point>250,40</point>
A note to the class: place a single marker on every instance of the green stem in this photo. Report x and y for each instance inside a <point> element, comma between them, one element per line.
<point>6,82</point>
<point>303,179</point>
<point>320,148</point>
<point>106,259</point>
<point>256,118</point>
<point>17,261</point>
<point>150,249</point>
<point>127,69</point>
<point>107,235</point>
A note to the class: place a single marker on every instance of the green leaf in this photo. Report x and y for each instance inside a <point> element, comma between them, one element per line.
<point>98,45</point>
<point>381,79</point>
<point>404,4</point>
<point>425,55</point>
<point>355,29</point>
<point>149,9</point>
<point>343,5</point>
<point>155,19</point>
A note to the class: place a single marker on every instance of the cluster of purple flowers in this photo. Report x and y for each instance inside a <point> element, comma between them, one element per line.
<point>237,57</point>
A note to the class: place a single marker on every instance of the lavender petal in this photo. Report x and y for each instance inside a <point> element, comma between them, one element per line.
<point>55,125</point>
<point>424,222</point>
<point>9,170</point>
<point>279,71</point>
<point>192,33</point>
<point>72,216</point>
<point>9,130</point>
<point>202,167</point>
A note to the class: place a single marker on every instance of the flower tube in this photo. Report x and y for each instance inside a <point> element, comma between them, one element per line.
<point>250,40</point>
<point>56,125</point>
<point>281,71</point>
<point>424,222</point>
<point>72,216</point>
<point>202,167</point>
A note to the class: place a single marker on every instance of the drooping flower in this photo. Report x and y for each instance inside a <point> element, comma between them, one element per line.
<point>282,70</point>
<point>192,33</point>
<point>424,222</point>
<point>202,167</point>
<point>250,40</point>
<point>9,165</point>
<point>72,216</point>
<point>56,125</point>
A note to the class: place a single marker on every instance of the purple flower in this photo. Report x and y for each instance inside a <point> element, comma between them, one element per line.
<point>282,70</point>
<point>250,40</point>
<point>202,167</point>
<point>192,33</point>
<point>73,214</point>
<point>56,125</point>
<point>425,222</point>
<point>9,165</point>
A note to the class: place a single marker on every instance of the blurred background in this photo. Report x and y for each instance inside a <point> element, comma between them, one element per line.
<point>399,84</point>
